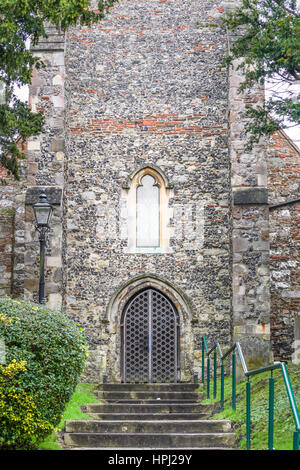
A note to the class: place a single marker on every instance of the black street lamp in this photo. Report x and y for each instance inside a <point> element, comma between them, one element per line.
<point>42,212</point>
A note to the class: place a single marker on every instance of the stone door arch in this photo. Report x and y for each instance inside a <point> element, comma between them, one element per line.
<point>150,339</point>
<point>115,311</point>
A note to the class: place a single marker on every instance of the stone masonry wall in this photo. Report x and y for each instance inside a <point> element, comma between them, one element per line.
<point>7,211</point>
<point>250,226</point>
<point>144,87</point>
<point>284,179</point>
<point>250,233</point>
<point>45,169</point>
<point>12,215</point>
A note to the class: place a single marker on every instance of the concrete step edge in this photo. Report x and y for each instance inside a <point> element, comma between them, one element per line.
<point>133,401</point>
<point>113,449</point>
<point>171,398</point>
<point>204,421</point>
<point>136,416</point>
<point>148,392</point>
<point>156,435</point>
<point>150,439</point>
<point>153,385</point>
<point>148,426</point>
<point>136,405</point>
<point>126,408</point>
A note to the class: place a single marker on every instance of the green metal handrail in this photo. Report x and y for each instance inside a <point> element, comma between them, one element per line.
<point>236,347</point>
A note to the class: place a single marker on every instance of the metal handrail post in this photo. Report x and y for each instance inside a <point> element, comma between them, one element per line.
<point>208,377</point>
<point>233,381</point>
<point>222,387</point>
<point>203,361</point>
<point>248,415</point>
<point>296,436</point>
<point>296,440</point>
<point>271,413</point>
<point>290,395</point>
<point>215,374</point>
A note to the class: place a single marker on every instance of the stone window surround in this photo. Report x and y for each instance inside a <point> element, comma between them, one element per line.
<point>165,193</point>
<point>148,213</point>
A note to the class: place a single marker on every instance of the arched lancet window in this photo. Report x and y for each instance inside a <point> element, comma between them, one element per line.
<point>148,213</point>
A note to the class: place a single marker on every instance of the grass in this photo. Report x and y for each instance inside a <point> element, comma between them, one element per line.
<point>84,393</point>
<point>284,425</point>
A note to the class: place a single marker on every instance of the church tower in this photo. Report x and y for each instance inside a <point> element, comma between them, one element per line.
<point>160,228</point>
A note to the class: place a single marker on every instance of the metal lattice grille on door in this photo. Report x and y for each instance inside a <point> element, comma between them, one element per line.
<point>150,335</point>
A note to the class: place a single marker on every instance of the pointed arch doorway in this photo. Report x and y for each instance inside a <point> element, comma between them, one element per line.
<point>150,339</point>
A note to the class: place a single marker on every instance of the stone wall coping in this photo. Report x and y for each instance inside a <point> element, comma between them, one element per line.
<point>54,195</point>
<point>247,196</point>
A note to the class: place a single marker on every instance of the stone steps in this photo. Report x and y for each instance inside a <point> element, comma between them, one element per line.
<point>149,402</point>
<point>148,408</point>
<point>142,387</point>
<point>149,395</point>
<point>150,440</point>
<point>149,416</point>
<point>136,426</point>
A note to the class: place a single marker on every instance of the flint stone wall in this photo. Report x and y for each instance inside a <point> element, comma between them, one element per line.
<point>145,87</point>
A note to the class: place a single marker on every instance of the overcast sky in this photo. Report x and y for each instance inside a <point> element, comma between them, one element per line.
<point>294,134</point>
<point>282,89</point>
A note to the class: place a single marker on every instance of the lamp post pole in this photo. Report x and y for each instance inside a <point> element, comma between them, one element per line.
<point>43,212</point>
<point>42,266</point>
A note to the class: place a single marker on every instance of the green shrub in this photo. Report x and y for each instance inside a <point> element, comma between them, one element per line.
<point>44,357</point>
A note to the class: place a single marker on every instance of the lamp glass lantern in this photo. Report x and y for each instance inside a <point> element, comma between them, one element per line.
<point>42,212</point>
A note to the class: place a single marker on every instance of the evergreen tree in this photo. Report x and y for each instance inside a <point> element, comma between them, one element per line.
<point>266,40</point>
<point>21,21</point>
